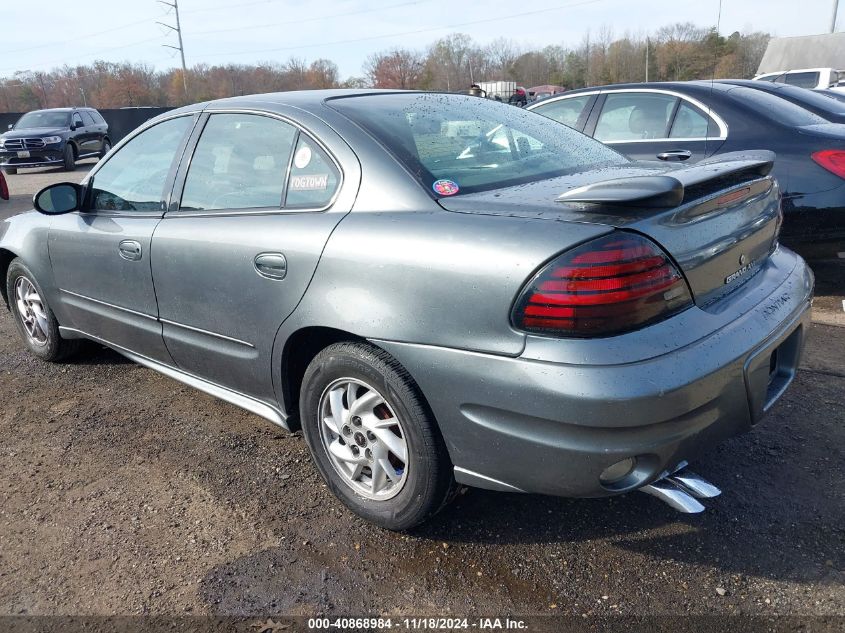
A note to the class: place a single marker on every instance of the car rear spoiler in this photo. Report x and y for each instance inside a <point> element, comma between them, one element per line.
<point>666,191</point>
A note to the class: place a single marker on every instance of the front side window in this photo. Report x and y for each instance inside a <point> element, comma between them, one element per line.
<point>240,162</point>
<point>455,144</point>
<point>133,179</point>
<point>630,116</point>
<point>566,111</point>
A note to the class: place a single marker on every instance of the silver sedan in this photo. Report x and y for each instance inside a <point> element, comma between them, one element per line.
<point>439,290</point>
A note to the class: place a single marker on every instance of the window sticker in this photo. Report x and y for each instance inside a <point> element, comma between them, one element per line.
<point>302,157</point>
<point>445,187</point>
<point>316,182</point>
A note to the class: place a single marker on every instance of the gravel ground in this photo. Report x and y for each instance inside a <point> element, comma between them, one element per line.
<point>123,492</point>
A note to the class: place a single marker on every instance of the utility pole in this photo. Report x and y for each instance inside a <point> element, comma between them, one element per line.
<point>181,47</point>
<point>833,17</point>
<point>646,59</point>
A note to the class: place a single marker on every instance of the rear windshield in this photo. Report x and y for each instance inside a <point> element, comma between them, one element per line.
<point>461,144</point>
<point>43,119</point>
<point>777,109</point>
<point>802,80</point>
<point>812,99</point>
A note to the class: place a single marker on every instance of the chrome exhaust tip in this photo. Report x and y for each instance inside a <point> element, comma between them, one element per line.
<point>681,490</point>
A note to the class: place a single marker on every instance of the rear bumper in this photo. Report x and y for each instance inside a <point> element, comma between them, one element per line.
<point>546,426</point>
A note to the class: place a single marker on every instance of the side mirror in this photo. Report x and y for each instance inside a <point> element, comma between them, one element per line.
<point>75,126</point>
<point>63,197</point>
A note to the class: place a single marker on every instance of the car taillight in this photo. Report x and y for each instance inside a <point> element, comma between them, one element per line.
<point>613,284</point>
<point>832,160</point>
<point>4,188</point>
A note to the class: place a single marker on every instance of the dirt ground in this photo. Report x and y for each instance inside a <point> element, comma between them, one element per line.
<point>124,492</point>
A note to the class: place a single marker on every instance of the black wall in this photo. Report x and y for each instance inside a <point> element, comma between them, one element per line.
<point>121,121</point>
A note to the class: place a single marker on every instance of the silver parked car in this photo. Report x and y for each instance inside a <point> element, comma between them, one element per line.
<point>439,290</point>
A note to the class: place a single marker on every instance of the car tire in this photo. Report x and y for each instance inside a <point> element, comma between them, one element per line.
<point>69,158</point>
<point>106,148</point>
<point>421,484</point>
<point>10,170</point>
<point>34,319</point>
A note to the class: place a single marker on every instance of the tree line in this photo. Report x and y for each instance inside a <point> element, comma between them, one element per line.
<point>677,52</point>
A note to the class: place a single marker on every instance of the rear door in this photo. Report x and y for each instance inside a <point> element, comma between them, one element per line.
<point>239,245</point>
<point>656,125</point>
<point>101,256</point>
<point>93,139</point>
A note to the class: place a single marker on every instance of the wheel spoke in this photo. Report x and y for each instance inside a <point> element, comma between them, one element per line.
<point>365,403</point>
<point>351,391</point>
<point>393,443</point>
<point>376,423</point>
<point>329,421</point>
<point>339,414</point>
<point>344,453</point>
<point>389,470</point>
<point>379,477</point>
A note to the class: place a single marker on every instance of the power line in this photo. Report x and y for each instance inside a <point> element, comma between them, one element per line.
<point>313,19</point>
<point>426,30</point>
<point>103,50</point>
<point>76,39</point>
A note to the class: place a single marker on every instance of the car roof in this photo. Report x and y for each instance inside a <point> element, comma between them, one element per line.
<point>692,87</point>
<point>305,99</point>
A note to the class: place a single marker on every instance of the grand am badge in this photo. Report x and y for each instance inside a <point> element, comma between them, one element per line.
<point>744,268</point>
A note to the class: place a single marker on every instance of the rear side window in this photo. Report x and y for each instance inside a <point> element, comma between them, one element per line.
<point>772,107</point>
<point>313,177</point>
<point>630,116</point>
<point>87,118</point>
<point>133,179</point>
<point>690,122</point>
<point>98,117</point>
<point>802,80</point>
<point>566,111</point>
<point>240,162</point>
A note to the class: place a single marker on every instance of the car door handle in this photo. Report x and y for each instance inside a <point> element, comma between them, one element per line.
<point>271,265</point>
<point>675,155</point>
<point>130,250</point>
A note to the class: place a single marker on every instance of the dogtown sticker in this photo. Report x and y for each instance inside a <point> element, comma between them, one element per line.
<point>309,183</point>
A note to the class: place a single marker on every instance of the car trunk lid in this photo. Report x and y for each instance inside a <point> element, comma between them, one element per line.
<point>718,219</point>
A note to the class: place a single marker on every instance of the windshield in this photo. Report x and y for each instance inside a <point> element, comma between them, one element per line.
<point>777,109</point>
<point>459,144</point>
<point>43,119</point>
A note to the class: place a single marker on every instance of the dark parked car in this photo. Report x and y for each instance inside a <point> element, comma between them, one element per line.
<point>689,121</point>
<point>438,289</point>
<point>828,109</point>
<point>60,136</point>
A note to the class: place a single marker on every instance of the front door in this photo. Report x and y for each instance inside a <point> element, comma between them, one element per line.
<point>101,255</point>
<point>232,261</point>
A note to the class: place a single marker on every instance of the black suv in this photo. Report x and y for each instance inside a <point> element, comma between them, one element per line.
<point>59,136</point>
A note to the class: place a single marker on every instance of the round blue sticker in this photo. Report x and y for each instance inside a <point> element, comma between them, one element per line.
<point>445,187</point>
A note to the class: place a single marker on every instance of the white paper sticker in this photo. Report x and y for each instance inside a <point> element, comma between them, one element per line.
<point>302,157</point>
<point>309,183</point>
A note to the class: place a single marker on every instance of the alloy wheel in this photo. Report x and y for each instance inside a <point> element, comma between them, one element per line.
<point>363,438</point>
<point>32,312</point>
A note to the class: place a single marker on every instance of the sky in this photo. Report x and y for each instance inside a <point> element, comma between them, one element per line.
<point>50,33</point>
